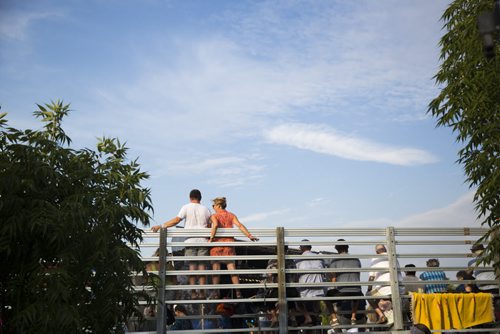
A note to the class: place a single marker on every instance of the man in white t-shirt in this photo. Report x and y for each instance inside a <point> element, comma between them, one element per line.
<point>196,216</point>
<point>380,274</point>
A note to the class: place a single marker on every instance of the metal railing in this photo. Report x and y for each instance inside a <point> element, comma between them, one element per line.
<point>401,244</point>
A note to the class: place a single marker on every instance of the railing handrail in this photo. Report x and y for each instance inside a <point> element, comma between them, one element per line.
<point>391,237</point>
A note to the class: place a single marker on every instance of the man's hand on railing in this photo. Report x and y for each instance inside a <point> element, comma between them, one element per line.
<point>156,228</point>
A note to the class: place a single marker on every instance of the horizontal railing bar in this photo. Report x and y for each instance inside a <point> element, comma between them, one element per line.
<point>222,272</point>
<point>334,232</point>
<point>476,282</point>
<point>466,231</point>
<point>333,243</point>
<point>291,271</point>
<point>435,255</point>
<point>332,284</point>
<point>222,286</point>
<point>435,242</point>
<point>218,301</point>
<point>213,244</point>
<point>298,243</point>
<point>443,268</point>
<point>218,316</point>
<point>221,232</point>
<point>368,232</point>
<point>322,256</point>
<point>264,285</point>
<point>220,258</point>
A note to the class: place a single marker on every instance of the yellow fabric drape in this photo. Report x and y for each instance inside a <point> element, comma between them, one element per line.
<point>452,310</point>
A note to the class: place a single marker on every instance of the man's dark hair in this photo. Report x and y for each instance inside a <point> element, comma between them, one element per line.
<point>195,194</point>
<point>411,273</point>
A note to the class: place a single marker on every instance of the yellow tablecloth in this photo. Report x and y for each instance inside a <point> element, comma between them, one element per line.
<point>452,310</point>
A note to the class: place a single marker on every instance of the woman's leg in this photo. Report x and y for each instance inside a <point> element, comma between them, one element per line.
<point>234,278</point>
<point>215,280</point>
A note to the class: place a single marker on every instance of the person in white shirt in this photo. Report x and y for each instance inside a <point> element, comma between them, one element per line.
<point>381,274</point>
<point>305,263</point>
<point>480,272</point>
<point>196,216</point>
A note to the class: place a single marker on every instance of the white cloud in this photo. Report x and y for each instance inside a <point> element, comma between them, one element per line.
<point>322,139</point>
<point>15,25</point>
<point>235,81</point>
<point>317,202</point>
<point>227,171</point>
<point>459,213</point>
<point>263,216</point>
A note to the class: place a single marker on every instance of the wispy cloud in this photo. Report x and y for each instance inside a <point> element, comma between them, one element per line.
<point>263,216</point>
<point>278,59</point>
<point>226,171</point>
<point>459,213</point>
<point>322,139</point>
<point>14,25</point>
<point>317,202</point>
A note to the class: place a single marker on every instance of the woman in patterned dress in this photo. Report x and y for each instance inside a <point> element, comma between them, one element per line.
<point>225,219</point>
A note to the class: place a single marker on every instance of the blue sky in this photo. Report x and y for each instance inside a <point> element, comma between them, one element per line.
<point>301,113</point>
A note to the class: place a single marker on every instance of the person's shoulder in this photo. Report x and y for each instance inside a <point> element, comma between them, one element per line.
<point>187,206</point>
<point>229,213</point>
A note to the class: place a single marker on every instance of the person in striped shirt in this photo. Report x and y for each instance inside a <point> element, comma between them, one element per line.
<point>434,275</point>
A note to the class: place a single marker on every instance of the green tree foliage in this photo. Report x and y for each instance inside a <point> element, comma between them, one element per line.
<point>469,103</point>
<point>66,218</point>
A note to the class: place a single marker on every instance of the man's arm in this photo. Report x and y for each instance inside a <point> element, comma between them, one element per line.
<point>170,223</point>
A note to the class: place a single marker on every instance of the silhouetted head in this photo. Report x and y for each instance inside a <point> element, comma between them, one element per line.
<point>432,263</point>
<point>305,247</point>
<point>380,248</point>
<point>342,248</point>
<point>195,194</point>
<point>410,273</point>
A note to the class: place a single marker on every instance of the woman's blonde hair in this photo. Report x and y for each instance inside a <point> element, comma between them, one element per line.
<point>220,201</point>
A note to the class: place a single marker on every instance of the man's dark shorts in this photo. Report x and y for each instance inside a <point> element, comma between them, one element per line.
<point>338,293</point>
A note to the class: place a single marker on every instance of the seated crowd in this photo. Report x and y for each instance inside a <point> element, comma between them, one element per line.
<point>374,306</point>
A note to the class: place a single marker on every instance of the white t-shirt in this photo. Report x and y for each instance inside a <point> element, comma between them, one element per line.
<point>383,275</point>
<point>195,216</point>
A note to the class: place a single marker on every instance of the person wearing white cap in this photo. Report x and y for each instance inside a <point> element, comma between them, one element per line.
<point>481,273</point>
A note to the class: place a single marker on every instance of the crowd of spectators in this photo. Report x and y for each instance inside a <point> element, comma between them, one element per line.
<point>318,298</point>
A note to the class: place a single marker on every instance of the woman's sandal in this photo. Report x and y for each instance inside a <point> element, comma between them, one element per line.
<point>353,322</point>
<point>381,320</point>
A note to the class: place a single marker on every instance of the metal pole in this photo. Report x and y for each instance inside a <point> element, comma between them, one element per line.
<point>393,269</point>
<point>161,312</point>
<point>283,307</point>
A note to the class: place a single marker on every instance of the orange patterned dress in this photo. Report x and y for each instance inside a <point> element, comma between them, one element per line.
<point>225,220</point>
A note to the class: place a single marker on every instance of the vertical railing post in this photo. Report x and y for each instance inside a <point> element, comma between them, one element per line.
<point>282,304</point>
<point>161,311</point>
<point>393,269</point>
